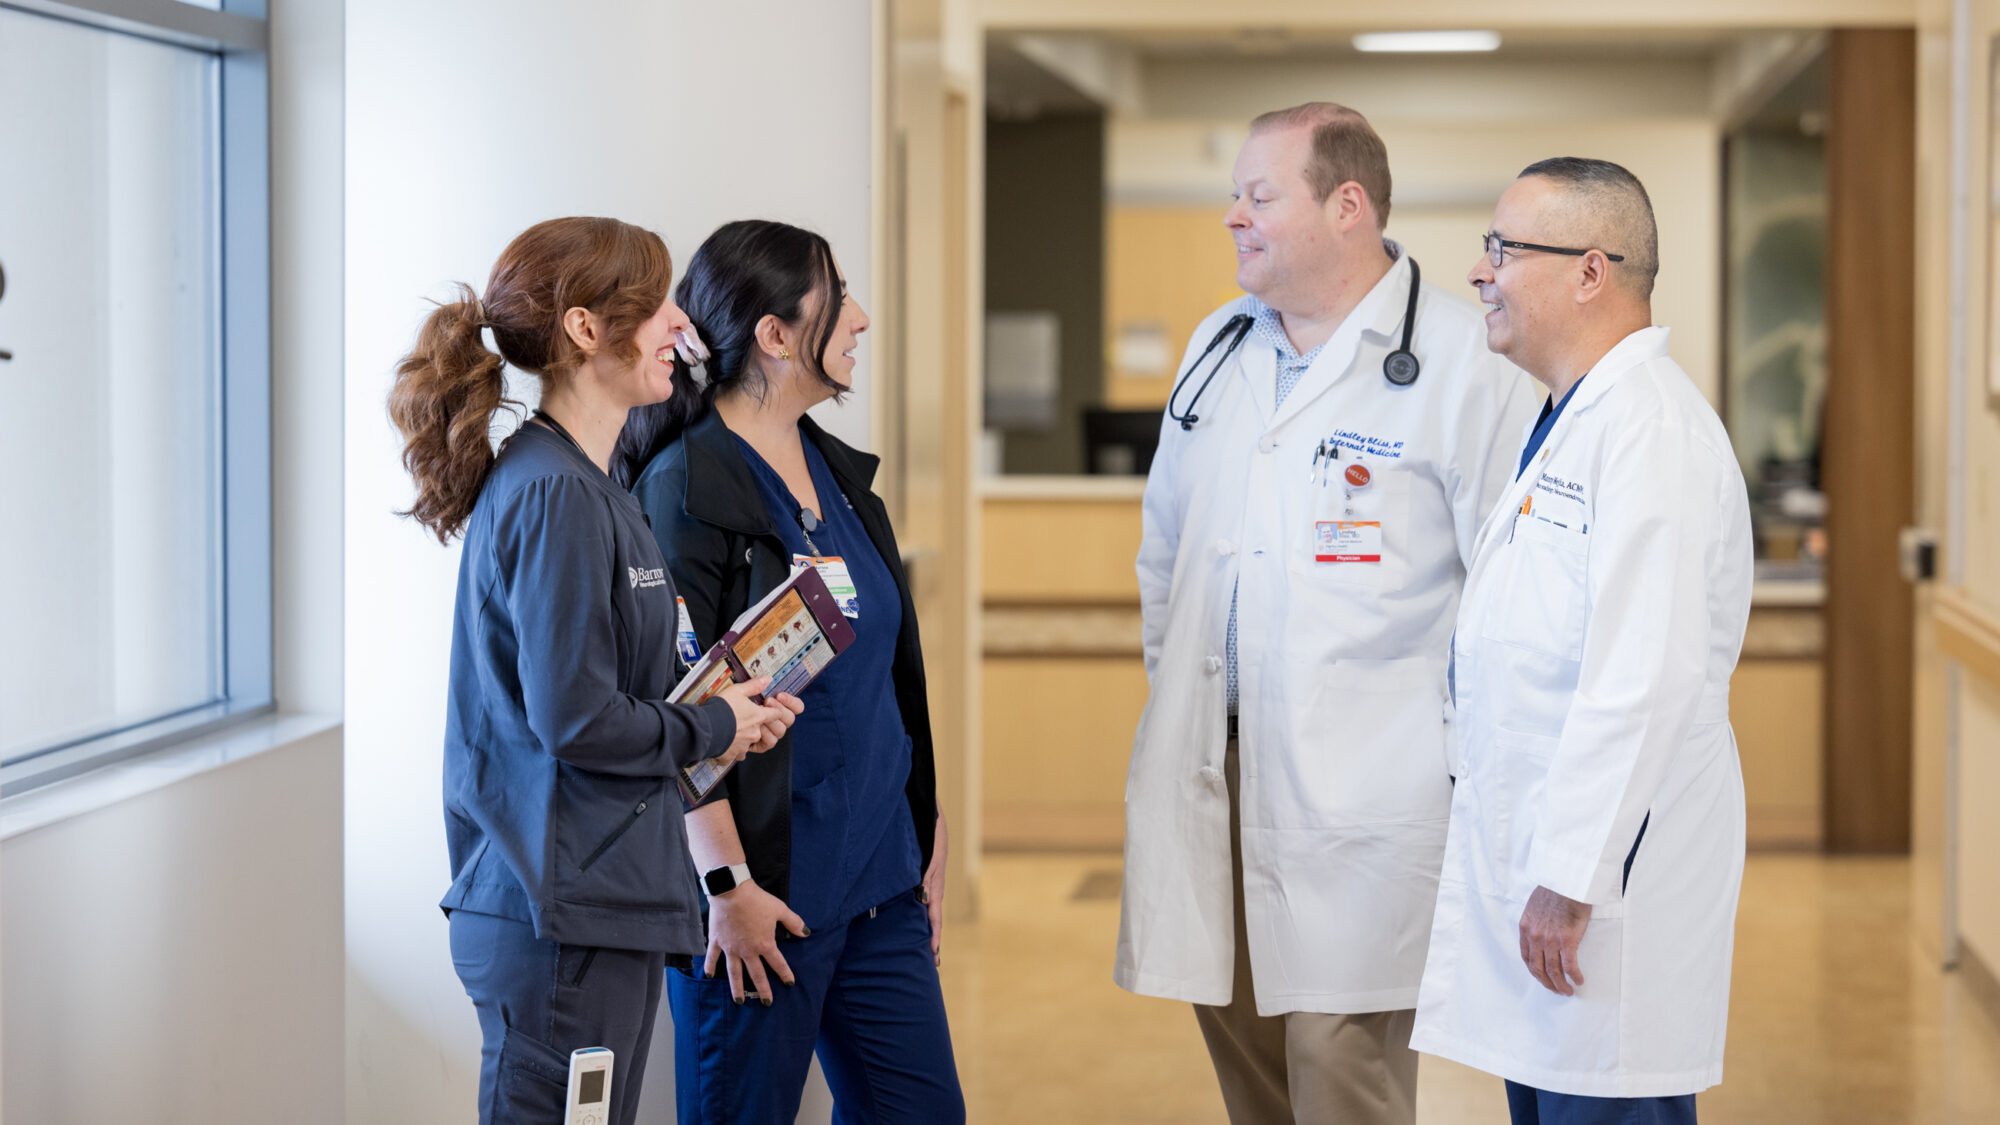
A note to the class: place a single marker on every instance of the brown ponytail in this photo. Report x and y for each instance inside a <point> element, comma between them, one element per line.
<point>450,385</point>
<point>446,392</point>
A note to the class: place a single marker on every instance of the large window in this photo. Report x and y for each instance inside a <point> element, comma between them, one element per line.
<point>134,477</point>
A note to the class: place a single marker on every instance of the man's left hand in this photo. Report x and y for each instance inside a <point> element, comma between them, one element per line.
<point>1551,929</point>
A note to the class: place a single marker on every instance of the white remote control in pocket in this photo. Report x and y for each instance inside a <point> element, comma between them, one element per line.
<point>589,1087</point>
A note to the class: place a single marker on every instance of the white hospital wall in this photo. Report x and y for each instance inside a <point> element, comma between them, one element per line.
<point>174,957</point>
<point>466,122</point>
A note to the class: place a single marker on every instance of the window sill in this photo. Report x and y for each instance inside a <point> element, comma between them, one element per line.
<point>121,781</point>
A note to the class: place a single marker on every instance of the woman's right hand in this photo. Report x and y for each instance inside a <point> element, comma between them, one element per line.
<point>759,726</point>
<point>743,931</point>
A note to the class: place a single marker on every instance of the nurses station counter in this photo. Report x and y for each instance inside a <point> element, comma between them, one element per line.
<point>1064,680</point>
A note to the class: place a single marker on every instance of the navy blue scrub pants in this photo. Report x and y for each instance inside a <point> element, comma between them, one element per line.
<point>538,1001</point>
<point>867,999</point>
<point>1530,1106</point>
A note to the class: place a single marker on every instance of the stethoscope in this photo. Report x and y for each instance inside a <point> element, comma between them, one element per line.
<point>1400,367</point>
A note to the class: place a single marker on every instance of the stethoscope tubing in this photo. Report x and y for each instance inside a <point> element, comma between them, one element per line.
<point>1399,367</point>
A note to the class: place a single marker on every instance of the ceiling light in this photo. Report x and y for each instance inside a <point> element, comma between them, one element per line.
<point>1409,42</point>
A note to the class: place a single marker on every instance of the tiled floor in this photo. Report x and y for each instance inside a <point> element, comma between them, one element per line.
<point>1835,1017</point>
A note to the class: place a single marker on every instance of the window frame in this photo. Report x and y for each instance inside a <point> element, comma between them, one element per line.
<point>239,37</point>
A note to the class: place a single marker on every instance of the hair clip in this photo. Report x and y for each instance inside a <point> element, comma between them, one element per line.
<point>688,345</point>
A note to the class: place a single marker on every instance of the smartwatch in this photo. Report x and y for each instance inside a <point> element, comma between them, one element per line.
<point>722,880</point>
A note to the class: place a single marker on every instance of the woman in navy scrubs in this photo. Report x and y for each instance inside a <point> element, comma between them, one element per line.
<point>571,885</point>
<point>823,859</point>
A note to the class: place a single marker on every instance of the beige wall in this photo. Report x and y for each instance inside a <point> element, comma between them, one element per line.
<point>1979,829</point>
<point>1956,838</point>
<point>926,424</point>
<point>1978,846</point>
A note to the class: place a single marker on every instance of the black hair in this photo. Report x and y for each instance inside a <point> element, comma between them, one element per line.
<point>745,271</point>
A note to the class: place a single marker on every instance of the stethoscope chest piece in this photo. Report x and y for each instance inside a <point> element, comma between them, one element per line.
<point>1400,368</point>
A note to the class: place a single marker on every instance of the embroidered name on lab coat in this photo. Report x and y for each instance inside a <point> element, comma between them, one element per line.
<point>1568,489</point>
<point>1560,502</point>
<point>1368,446</point>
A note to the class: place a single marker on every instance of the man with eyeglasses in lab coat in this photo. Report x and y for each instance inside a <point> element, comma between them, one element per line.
<point>1586,914</point>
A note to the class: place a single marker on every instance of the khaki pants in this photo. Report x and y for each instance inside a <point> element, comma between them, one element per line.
<point>1303,1068</point>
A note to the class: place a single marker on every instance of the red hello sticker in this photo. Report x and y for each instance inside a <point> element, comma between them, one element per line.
<point>1357,475</point>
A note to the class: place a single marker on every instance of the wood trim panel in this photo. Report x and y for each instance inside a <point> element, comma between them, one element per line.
<point>1784,634</point>
<point>1063,631</point>
<point>1868,465</point>
<point>1968,632</point>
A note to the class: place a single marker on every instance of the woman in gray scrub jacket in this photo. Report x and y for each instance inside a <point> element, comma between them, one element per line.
<point>571,882</point>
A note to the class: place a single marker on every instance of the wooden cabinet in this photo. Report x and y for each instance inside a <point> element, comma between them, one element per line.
<point>1064,681</point>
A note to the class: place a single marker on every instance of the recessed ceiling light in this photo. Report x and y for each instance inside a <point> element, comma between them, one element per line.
<point>1410,42</point>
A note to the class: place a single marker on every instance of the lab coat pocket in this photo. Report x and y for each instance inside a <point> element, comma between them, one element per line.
<point>1584,1028</point>
<point>1509,781</point>
<point>1540,605</point>
<point>1370,746</point>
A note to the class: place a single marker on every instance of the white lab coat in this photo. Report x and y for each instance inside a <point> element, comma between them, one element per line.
<point>1341,665</point>
<point>1600,625</point>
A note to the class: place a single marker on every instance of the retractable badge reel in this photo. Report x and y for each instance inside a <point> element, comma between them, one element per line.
<point>1345,540</point>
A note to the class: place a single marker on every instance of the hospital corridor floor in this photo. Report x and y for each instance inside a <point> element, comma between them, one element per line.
<point>1836,1015</point>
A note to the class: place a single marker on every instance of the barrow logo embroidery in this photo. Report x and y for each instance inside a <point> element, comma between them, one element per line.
<point>647,579</point>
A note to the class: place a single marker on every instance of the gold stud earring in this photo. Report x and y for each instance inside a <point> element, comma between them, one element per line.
<point>784,353</point>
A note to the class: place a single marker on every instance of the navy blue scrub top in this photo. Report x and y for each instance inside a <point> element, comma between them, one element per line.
<point>1543,425</point>
<point>853,843</point>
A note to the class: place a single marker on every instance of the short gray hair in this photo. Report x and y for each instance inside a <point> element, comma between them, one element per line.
<point>1608,207</point>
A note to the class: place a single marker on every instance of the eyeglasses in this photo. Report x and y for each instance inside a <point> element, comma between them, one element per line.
<point>1496,249</point>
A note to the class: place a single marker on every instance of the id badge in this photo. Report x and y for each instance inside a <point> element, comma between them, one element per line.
<point>1347,541</point>
<point>833,571</point>
<point>684,633</point>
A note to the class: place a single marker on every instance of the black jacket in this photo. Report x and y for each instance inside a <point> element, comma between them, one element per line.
<point>711,524</point>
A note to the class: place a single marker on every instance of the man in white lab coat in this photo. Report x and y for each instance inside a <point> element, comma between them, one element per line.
<point>1327,458</point>
<point>1586,913</point>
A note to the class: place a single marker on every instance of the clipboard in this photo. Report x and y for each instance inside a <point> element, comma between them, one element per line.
<point>790,635</point>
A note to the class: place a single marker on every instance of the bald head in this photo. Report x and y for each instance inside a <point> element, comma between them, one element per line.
<point>1604,207</point>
